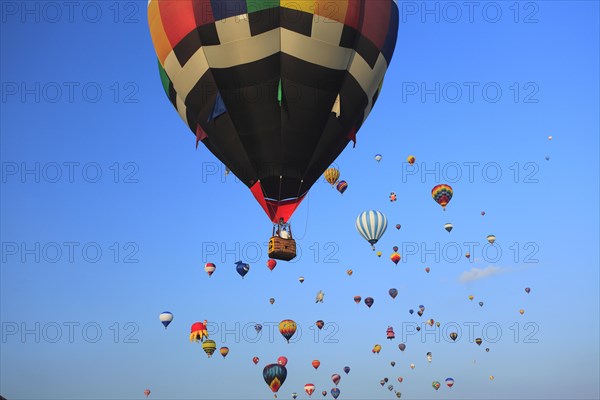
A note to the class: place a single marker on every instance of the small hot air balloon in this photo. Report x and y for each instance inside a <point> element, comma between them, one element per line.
<point>471,297</point>
<point>357,299</point>
<point>395,257</point>
<point>335,392</point>
<point>147,392</point>
<point>369,301</point>
<point>527,290</point>
<point>393,293</point>
<point>198,332</point>
<point>294,395</point>
<point>242,268</point>
<point>378,157</point>
<point>478,341</point>
<point>449,382</point>
<point>324,393</point>
<point>166,318</point>
<point>282,361</point>
<point>336,379</point>
<point>398,394</point>
<point>549,137</point>
<point>382,382</point>
<point>442,194</point>
<point>468,255</point>
<point>342,186</point>
<point>390,387</point>
<point>482,213</point>
<point>349,272</point>
<point>378,254</point>
<point>547,158</point>
<point>393,363</point>
<point>448,227</point>
<point>429,356</point>
<point>521,311</point>
<point>422,308</point>
<point>420,313</point>
<point>491,239</point>
<point>393,197</point>
<point>309,388</point>
<point>385,380</point>
<point>411,159</point>
<point>430,322</point>
<point>271,264</point>
<point>412,366</point>
<point>402,346</point>
<point>210,268</point>
<point>453,336</point>
<point>209,347</point>
<point>395,248</point>
<point>389,333</point>
<point>400,379</point>
<point>437,324</point>
<point>371,225</point>
<point>258,328</point>
<point>491,377</point>
<point>427,269</point>
<point>255,360</point>
<point>301,279</point>
<point>436,385</point>
<point>320,324</point>
<point>274,375</point>
<point>481,304</point>
<point>411,311</point>
<point>272,300</point>
<point>227,171</point>
<point>418,328</point>
<point>331,175</point>
<point>398,226</point>
<point>316,364</point>
<point>377,348</point>
<point>346,370</point>
<point>287,328</point>
<point>224,351</point>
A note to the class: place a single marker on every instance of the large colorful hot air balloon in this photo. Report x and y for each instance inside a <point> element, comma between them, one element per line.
<point>287,328</point>
<point>242,268</point>
<point>395,257</point>
<point>210,268</point>
<point>209,347</point>
<point>273,95</point>
<point>335,392</point>
<point>336,379</point>
<point>198,332</point>
<point>166,318</point>
<point>309,388</point>
<point>371,225</point>
<point>274,375</point>
<point>442,194</point>
<point>449,382</point>
<point>331,175</point>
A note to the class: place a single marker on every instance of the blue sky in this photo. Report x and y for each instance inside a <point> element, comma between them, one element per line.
<point>158,211</point>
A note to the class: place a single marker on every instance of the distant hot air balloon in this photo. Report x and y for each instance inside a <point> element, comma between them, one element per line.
<point>436,385</point>
<point>147,392</point>
<point>547,158</point>
<point>427,269</point>
<point>521,311</point>
<point>346,370</point>
<point>527,290</point>
<point>335,392</point>
<point>412,366</point>
<point>324,393</point>
<point>442,194</point>
<point>301,279</point>
<point>258,328</point>
<point>209,347</point>
<point>342,186</point>
<point>420,313</point>
<point>402,346</point>
<point>393,363</point>
<point>274,375</point>
<point>481,304</point>
<point>422,307</point>
<point>316,364</point>
<point>255,360</point>
<point>482,213</point>
<point>389,333</point>
<point>319,297</point>
<point>468,255</point>
<point>491,239</point>
<point>349,272</point>
<point>478,341</point>
<point>395,248</point>
<point>369,301</point>
<point>287,328</point>
<point>429,356</point>
<point>198,332</point>
<point>294,395</point>
<point>309,388</point>
<point>378,157</point>
<point>320,324</point>
<point>437,324</point>
<point>411,159</point>
<point>471,297</point>
<point>549,137</point>
<point>491,377</point>
<point>271,264</point>
<point>377,348</point>
<point>336,379</point>
<point>448,227</point>
<point>393,293</point>
<point>400,379</point>
<point>272,300</point>
<point>449,382</point>
<point>282,361</point>
<point>382,382</point>
<point>487,349</point>
<point>242,268</point>
<point>395,257</point>
<point>224,351</point>
<point>453,336</point>
<point>418,328</point>
<point>210,268</point>
<point>411,311</point>
<point>398,226</point>
<point>371,225</point>
<point>378,254</point>
<point>393,197</point>
<point>332,175</point>
<point>166,318</point>
<point>357,299</point>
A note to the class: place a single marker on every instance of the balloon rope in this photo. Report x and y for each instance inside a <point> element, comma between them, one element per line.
<point>307,213</point>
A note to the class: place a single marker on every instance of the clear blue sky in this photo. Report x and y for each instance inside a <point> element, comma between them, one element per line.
<point>166,210</point>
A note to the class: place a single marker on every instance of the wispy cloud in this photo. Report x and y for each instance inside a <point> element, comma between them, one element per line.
<point>479,273</point>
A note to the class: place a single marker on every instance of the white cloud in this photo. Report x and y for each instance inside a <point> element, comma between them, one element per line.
<point>479,273</point>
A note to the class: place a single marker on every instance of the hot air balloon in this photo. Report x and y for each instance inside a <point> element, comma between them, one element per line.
<point>390,387</point>
<point>224,351</point>
<point>411,311</point>
<point>346,370</point>
<point>316,364</point>
<point>481,304</point>
<point>147,392</point>
<point>398,226</point>
<point>400,379</point>
<point>301,279</point>
<point>398,394</point>
<point>448,227</point>
<point>487,349</point>
<point>547,158</point>
<point>478,341</point>
<point>395,257</point>
<point>468,255</point>
<point>382,382</point>
<point>437,324</point>
<point>309,388</point>
<point>453,336</point>
<point>411,159</point>
<point>422,308</point>
<point>198,332</point>
<point>393,363</point>
<point>294,395</point>
<point>357,299</point>
<point>255,360</point>
<point>549,137</point>
<point>335,392</point>
<point>420,313</point>
<point>482,213</point>
<point>342,186</point>
<point>491,239</point>
<point>241,268</point>
<point>371,225</point>
<point>258,328</point>
<point>271,264</point>
<point>324,393</point>
<point>395,248</point>
<point>319,297</point>
<point>272,300</point>
<point>527,290</point>
<point>274,375</point>
<point>331,175</point>
<point>378,157</point>
<point>449,382</point>
<point>166,318</point>
<point>521,311</point>
<point>471,297</point>
<point>287,328</point>
<point>369,301</point>
<point>314,91</point>
<point>282,361</point>
<point>393,197</point>
<point>349,272</point>
<point>412,366</point>
<point>336,379</point>
<point>209,347</point>
<point>491,377</point>
<point>320,324</point>
<point>393,292</point>
<point>436,385</point>
<point>418,328</point>
<point>429,356</point>
<point>210,268</point>
<point>402,346</point>
<point>442,194</point>
<point>379,254</point>
<point>377,348</point>
<point>427,269</point>
<point>389,333</point>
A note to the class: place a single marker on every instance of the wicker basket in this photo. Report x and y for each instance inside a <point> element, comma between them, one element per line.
<point>282,249</point>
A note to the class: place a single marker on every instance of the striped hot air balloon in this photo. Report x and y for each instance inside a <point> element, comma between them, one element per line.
<point>449,382</point>
<point>371,225</point>
<point>209,347</point>
<point>309,388</point>
<point>442,194</point>
<point>342,186</point>
<point>166,318</point>
<point>209,268</point>
<point>331,175</point>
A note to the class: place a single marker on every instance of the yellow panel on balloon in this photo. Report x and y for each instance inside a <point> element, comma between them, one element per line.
<point>307,6</point>
<point>331,9</point>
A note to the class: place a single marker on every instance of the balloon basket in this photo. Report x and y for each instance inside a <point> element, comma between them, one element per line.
<point>282,249</point>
